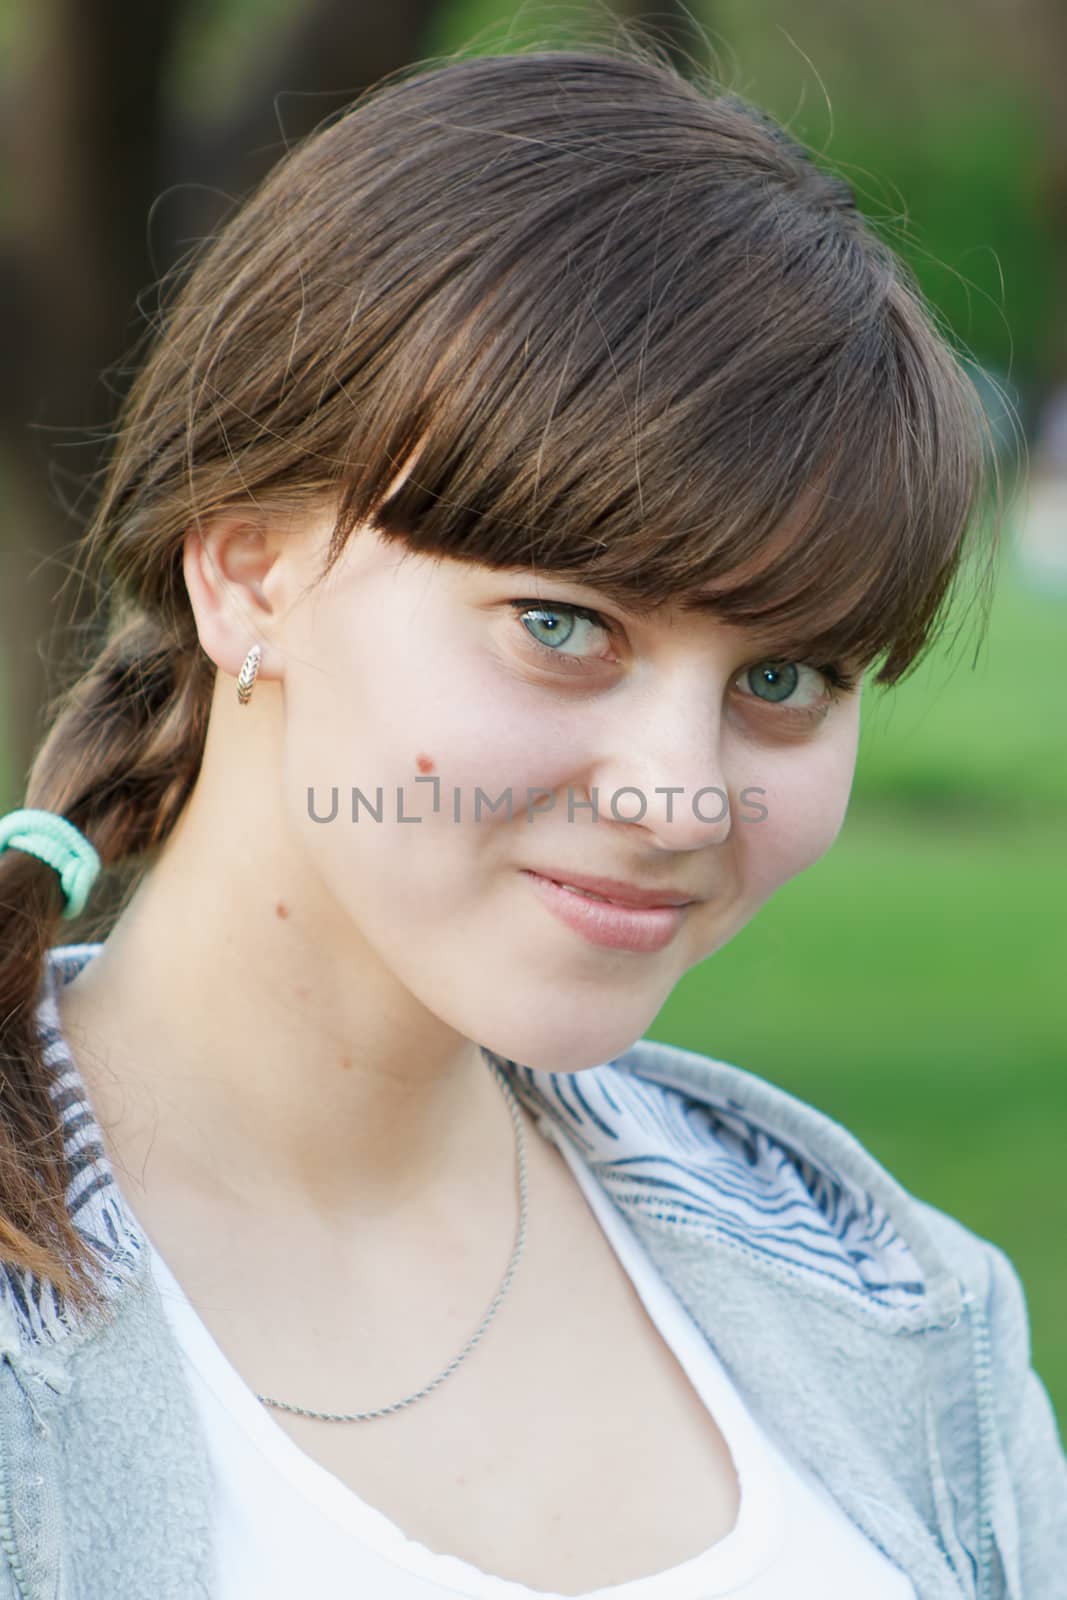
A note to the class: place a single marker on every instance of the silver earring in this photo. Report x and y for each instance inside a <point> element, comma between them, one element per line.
<point>248,675</point>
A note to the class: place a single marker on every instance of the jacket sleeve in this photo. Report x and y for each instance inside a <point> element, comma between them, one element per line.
<point>1023,1448</point>
<point>1030,1438</point>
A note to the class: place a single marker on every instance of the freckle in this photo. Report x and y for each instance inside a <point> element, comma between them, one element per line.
<point>424,763</point>
<point>346,1062</point>
<point>280,910</point>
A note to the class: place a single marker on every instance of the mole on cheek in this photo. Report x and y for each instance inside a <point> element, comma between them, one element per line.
<point>424,763</point>
<point>280,910</point>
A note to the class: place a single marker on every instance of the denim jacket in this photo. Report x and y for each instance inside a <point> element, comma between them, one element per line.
<point>874,1336</point>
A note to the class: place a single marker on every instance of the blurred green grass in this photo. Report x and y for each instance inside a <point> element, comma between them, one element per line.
<point>911,983</point>
<point>988,737</point>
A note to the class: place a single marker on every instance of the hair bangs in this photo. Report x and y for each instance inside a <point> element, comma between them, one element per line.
<point>803,459</point>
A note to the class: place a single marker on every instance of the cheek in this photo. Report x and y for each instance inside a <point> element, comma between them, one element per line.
<point>807,802</point>
<point>483,728</point>
<point>379,714</point>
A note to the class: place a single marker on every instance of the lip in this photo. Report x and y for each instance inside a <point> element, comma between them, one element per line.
<point>618,892</point>
<point>642,930</point>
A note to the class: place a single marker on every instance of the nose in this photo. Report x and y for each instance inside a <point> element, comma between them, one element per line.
<point>665,774</point>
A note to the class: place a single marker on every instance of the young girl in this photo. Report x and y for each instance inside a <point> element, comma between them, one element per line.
<point>496,537</point>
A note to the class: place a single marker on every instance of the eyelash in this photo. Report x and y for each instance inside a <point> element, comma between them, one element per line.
<point>839,678</point>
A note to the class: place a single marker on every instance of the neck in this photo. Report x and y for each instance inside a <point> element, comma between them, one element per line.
<point>270,1052</point>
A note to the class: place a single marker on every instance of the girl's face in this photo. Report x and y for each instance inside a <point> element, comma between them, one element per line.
<point>445,691</point>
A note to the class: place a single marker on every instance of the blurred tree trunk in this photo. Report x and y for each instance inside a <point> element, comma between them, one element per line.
<point>81,138</point>
<point>87,149</point>
<point>671,24</point>
<point>1044,23</point>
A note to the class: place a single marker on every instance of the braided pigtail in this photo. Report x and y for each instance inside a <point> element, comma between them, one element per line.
<point>119,761</point>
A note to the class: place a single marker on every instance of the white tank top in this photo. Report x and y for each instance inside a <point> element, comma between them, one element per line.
<point>287,1526</point>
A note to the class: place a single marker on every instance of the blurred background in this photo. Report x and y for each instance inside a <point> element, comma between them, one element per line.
<point>912,983</point>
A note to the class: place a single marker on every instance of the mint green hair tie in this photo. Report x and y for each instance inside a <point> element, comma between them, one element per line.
<point>51,838</point>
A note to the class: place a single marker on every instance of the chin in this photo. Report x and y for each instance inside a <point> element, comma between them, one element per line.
<point>564,1052</point>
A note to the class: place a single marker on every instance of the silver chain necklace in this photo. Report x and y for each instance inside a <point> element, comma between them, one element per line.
<point>520,1240</point>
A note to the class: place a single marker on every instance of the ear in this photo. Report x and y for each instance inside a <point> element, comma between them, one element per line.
<point>231,567</point>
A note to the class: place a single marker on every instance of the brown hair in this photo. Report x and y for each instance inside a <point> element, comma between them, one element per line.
<point>627,330</point>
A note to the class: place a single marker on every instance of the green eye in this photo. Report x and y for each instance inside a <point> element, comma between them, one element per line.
<point>774,683</point>
<point>550,633</point>
<point>778,679</point>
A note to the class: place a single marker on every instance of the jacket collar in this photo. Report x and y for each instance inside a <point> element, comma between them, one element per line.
<point>692,1151</point>
<point>701,1149</point>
